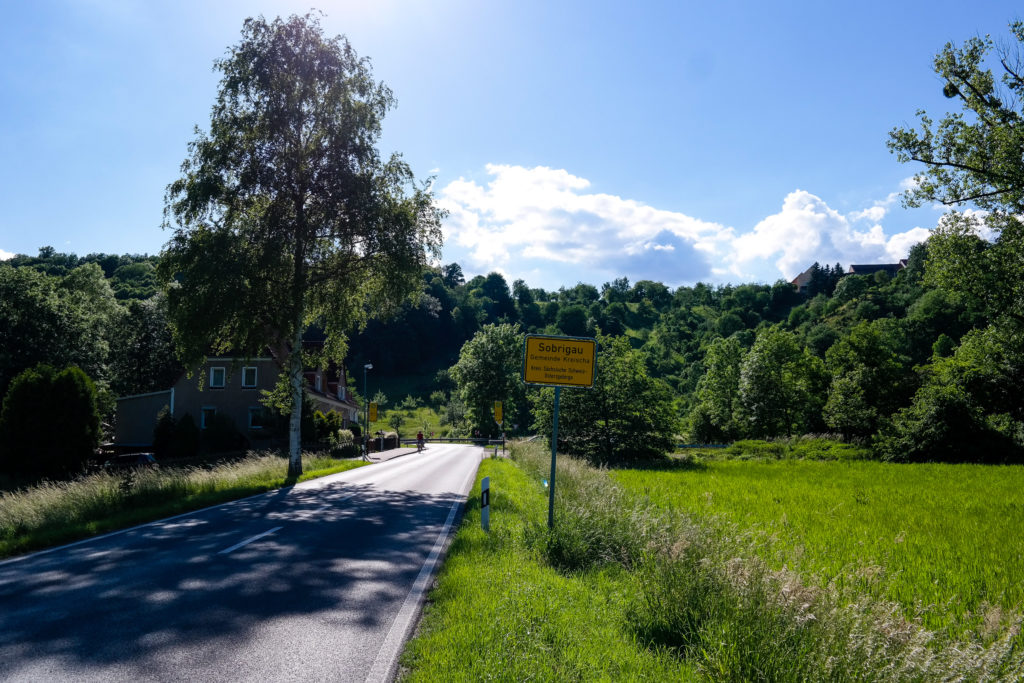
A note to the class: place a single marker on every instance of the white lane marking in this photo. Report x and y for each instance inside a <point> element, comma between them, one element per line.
<point>387,657</point>
<point>248,541</point>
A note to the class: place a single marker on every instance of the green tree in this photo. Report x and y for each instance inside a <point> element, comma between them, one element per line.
<point>526,305</point>
<point>50,422</point>
<point>975,158</point>
<point>142,354</point>
<point>943,424</point>
<point>43,319</point>
<point>782,386</point>
<point>285,212</point>
<point>627,416</point>
<point>989,367</point>
<point>495,288</point>
<point>135,280</point>
<point>395,420</point>
<point>572,320</point>
<point>869,381</point>
<point>489,369</point>
<point>712,419</point>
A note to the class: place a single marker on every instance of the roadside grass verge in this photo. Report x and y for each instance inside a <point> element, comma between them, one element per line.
<point>940,540</point>
<point>501,612</point>
<point>681,588</point>
<point>52,513</point>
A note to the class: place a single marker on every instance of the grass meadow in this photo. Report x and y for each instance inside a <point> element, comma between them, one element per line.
<point>943,541</point>
<point>730,571</point>
<point>58,512</point>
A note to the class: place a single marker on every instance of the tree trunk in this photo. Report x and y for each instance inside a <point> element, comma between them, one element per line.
<point>295,424</point>
<point>295,357</point>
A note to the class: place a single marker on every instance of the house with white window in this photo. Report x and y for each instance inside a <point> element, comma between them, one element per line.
<point>226,386</point>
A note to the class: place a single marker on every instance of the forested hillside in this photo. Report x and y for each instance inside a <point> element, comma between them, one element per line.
<point>918,371</point>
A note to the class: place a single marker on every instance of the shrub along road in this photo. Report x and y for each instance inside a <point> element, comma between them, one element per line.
<point>319,581</point>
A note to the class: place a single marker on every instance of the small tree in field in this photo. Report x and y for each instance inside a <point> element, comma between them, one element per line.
<point>50,423</point>
<point>285,213</point>
<point>489,369</point>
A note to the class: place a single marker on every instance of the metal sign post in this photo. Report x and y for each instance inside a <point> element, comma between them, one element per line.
<point>554,449</point>
<point>558,362</point>
<point>485,504</point>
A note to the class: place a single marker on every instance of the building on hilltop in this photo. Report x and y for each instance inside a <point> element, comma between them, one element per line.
<point>871,269</point>
<point>804,282</point>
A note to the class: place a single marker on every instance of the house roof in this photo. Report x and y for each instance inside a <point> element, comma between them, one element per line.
<point>868,269</point>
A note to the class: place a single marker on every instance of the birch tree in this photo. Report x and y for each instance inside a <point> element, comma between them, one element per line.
<point>285,213</point>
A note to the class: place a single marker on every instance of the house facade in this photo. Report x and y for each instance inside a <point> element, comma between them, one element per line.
<point>226,386</point>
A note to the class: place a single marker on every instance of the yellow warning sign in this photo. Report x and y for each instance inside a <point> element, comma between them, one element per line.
<point>560,361</point>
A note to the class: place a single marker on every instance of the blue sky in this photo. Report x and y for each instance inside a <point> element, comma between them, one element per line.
<point>570,141</point>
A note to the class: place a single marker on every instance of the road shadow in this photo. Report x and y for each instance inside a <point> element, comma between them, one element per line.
<point>345,554</point>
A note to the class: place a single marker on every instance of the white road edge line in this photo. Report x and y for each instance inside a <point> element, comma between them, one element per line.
<point>248,541</point>
<point>387,657</point>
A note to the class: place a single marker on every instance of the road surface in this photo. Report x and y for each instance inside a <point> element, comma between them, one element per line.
<point>320,582</point>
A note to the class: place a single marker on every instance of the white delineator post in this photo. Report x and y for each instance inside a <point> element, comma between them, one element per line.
<point>485,504</point>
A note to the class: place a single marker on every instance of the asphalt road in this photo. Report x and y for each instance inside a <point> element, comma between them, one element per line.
<point>321,582</point>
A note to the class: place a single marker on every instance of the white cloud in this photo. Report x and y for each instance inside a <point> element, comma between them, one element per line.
<point>4,255</point>
<point>808,230</point>
<point>898,246</point>
<point>873,214</point>
<point>526,221</point>
<point>544,215</point>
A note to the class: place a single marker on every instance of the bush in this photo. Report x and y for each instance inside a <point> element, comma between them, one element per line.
<point>343,444</point>
<point>702,428</point>
<point>163,434</point>
<point>50,423</point>
<point>187,437</point>
<point>801,448</point>
<point>221,434</point>
<point>942,425</point>
<point>751,448</point>
<point>175,439</point>
<point>327,424</point>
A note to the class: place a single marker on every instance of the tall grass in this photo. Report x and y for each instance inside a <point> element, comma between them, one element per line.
<point>937,539</point>
<point>704,593</point>
<point>55,512</point>
<point>501,612</point>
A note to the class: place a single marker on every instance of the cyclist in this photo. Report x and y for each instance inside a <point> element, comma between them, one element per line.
<point>419,441</point>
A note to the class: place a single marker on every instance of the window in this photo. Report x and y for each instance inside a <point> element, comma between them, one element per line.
<point>248,377</point>
<point>318,383</point>
<point>217,378</point>
<point>258,417</point>
<point>205,415</point>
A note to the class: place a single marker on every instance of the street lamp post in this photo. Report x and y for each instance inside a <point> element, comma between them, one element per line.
<point>366,412</point>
